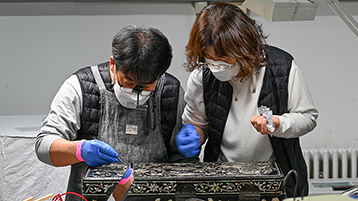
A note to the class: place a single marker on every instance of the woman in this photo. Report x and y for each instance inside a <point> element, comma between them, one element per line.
<point>233,73</point>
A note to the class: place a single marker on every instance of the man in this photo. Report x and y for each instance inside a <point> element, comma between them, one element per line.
<point>127,108</point>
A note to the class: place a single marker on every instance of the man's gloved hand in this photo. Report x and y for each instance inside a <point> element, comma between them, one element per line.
<point>96,153</point>
<point>124,185</point>
<point>188,141</point>
<point>127,175</point>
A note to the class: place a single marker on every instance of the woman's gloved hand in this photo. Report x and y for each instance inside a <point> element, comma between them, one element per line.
<point>188,141</point>
<point>96,153</point>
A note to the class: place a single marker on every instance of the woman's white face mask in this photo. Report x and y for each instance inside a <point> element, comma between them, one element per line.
<point>129,100</point>
<point>222,70</point>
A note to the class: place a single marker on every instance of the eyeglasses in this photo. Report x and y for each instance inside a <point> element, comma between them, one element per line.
<point>216,66</point>
<point>136,89</point>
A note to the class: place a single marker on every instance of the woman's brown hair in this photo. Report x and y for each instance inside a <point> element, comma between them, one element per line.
<point>232,33</point>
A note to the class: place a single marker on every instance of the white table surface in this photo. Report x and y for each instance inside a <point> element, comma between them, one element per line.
<point>327,190</point>
<point>21,125</point>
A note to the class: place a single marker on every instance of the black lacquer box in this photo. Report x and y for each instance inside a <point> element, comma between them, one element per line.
<point>229,181</point>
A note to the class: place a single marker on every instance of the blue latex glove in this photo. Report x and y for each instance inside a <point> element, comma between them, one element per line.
<point>127,175</point>
<point>96,153</point>
<point>188,141</point>
<point>123,186</point>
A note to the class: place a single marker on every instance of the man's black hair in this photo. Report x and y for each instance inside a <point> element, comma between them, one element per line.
<point>144,54</point>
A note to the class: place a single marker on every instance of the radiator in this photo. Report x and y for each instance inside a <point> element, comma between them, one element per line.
<point>331,163</point>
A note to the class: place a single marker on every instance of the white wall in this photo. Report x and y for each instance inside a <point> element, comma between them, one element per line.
<point>327,52</point>
<point>43,43</point>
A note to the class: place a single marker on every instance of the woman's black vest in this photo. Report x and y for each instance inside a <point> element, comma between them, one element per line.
<point>91,103</point>
<point>274,94</point>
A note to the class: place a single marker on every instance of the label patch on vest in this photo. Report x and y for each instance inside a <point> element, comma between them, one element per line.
<point>131,129</point>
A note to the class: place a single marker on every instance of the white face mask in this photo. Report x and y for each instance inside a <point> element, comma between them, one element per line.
<point>222,70</point>
<point>129,100</point>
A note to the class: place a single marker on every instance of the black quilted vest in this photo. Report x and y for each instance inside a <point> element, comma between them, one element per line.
<point>274,94</point>
<point>91,103</point>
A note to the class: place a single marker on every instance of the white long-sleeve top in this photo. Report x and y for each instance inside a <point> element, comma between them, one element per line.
<point>64,118</point>
<point>241,141</point>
